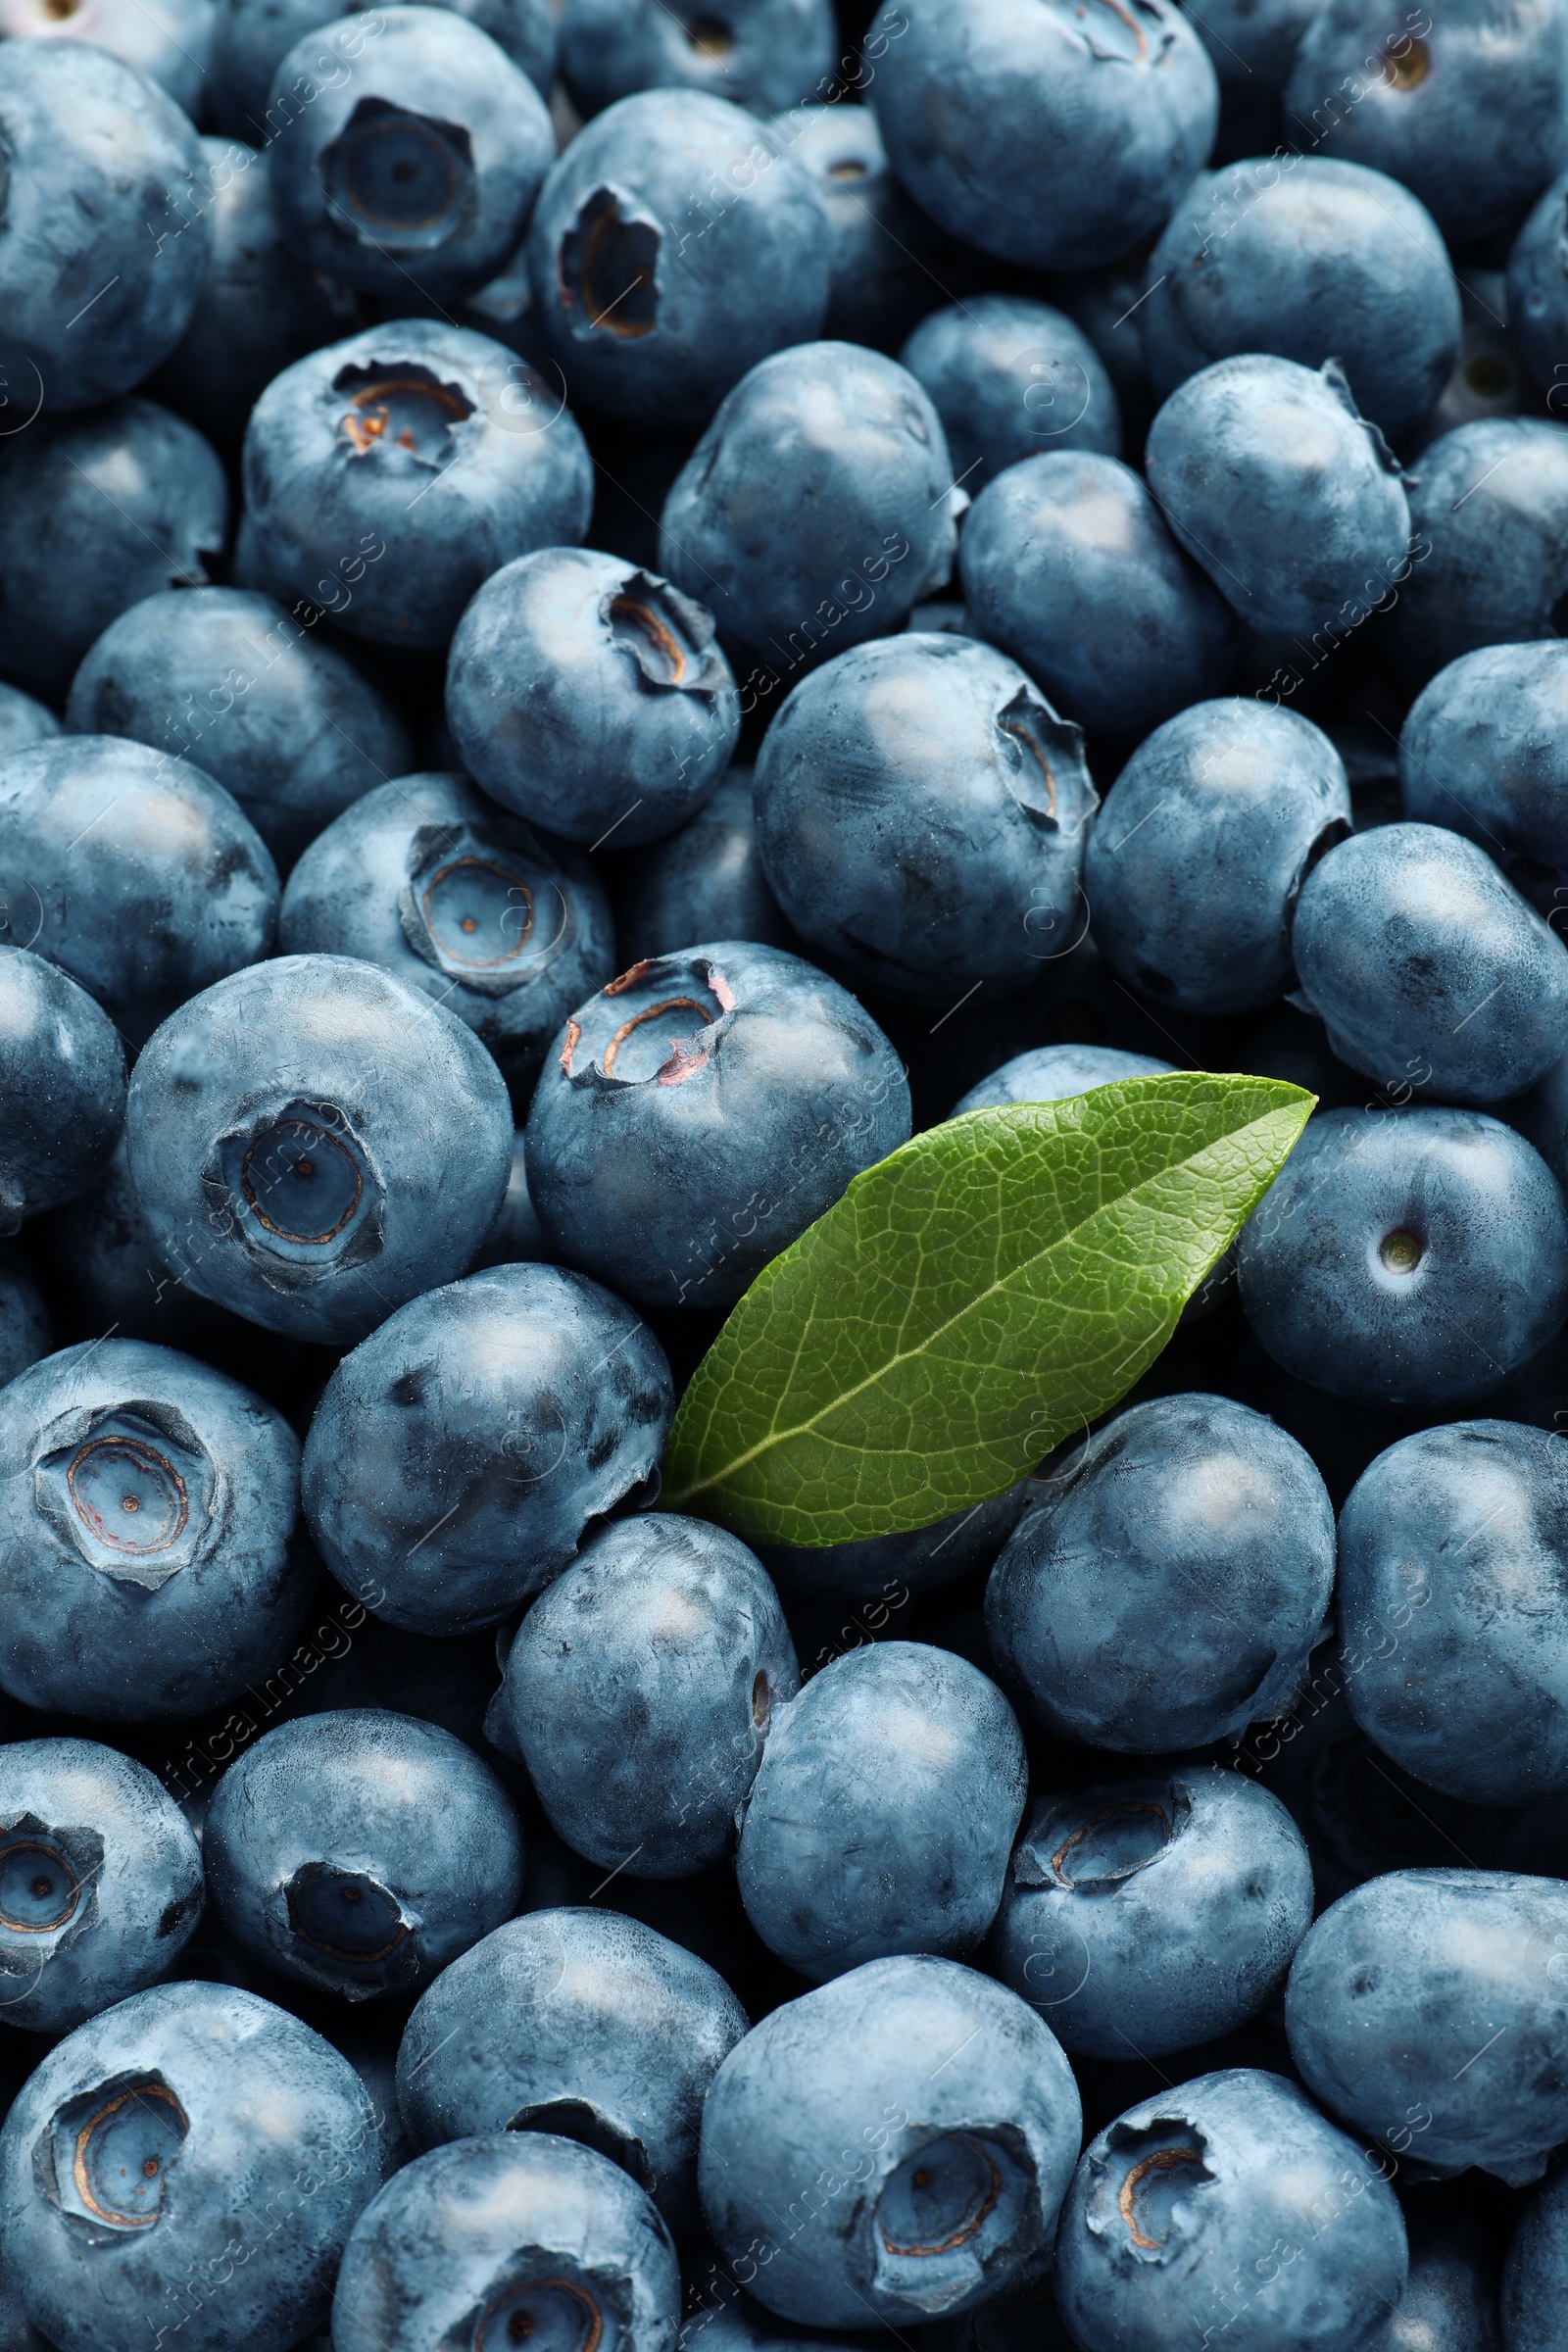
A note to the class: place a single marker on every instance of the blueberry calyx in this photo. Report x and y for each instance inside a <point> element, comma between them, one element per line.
<point>1145,2177</point>
<point>645,1042</point>
<point>403,182</point>
<point>953,2205</point>
<point>399,403</point>
<point>132,1488</point>
<point>298,1191</point>
<point>606,267</point>
<point>112,2150</point>
<point>669,638</point>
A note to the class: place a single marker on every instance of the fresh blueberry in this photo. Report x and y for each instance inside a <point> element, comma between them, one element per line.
<point>1428,2009</point>
<point>100,1882</point>
<point>313,1144</point>
<point>95,514</point>
<point>1228,2202</point>
<point>700,1112</point>
<point>26,1329</point>
<point>885,252</point>
<point>252,38</point>
<point>148,1509</point>
<point>63,1082</point>
<point>1414,1258</point>
<point>229,680</point>
<point>1489,513</point>
<point>1538,285</point>
<point>583,2024</point>
<point>459,1455</point>
<point>1252,45</point>
<point>890,2148</point>
<point>99,1253</point>
<point>1070,567</point>
<point>24,720</point>
<point>516,1231</point>
<point>1287,497</point>
<point>1059,136</point>
<point>1006,377</point>
<point>361,1851</point>
<point>1053,1074</point>
<point>704,881</point>
<point>1484,751</point>
<point>1147,1915</point>
<point>427,878</point>
<point>344,449</point>
<point>193,2158</point>
<point>166,41</point>
<point>511,2239</point>
<point>1450,2303</point>
<point>921,813</point>
<point>875,1577</point>
<point>105,202</point>
<point>924,1754</point>
<point>1201,1540</point>
<point>763,54</point>
<point>591,698</point>
<point>1535,2275</point>
<point>817,508</point>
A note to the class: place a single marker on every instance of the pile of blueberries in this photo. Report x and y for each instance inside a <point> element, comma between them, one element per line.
<point>609,606</point>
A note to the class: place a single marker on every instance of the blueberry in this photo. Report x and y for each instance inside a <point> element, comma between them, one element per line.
<point>516,1231</point>
<point>1007,375</point>
<point>1147,1915</point>
<point>1252,45</point>
<point>923,1753</point>
<point>1449,2302</point>
<point>700,1112</point>
<point>1428,2008</point>
<point>705,880</point>
<point>590,696</point>
<point>881,1572</point>
<point>921,813</point>
<point>1070,567</point>
<point>148,1509</point>
<point>313,1144</point>
<point>344,448</point>
<point>1414,1258</point>
<point>817,508</point>
<point>190,2139</point>
<point>99,1253</point>
<point>765,54</point>
<point>95,514</point>
<point>26,1329</point>
<point>24,720</point>
<point>427,878</point>
<point>1053,1074</point>
<point>891,2147</point>
<point>674,245</point>
<point>252,38</point>
<point>100,1882</point>
<point>1048,137</point>
<point>1488,511</point>
<point>885,252</point>
<point>507,2240</point>
<point>1535,2274</point>
<point>1483,751</point>
<point>1311,259</point>
<point>457,1455</point>
<point>1201,1540</point>
<point>1281,491</point>
<point>63,1081</point>
<point>581,2024</point>
<point>168,41</point>
<point>361,1851</point>
<point>1229,2203</point>
<point>229,679</point>
<point>1538,284</point>
<point>105,205</point>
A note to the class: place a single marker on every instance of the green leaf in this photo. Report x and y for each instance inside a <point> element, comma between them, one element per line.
<point>970,1302</point>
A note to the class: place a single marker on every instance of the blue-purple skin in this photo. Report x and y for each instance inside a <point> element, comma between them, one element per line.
<point>314,1144</point>
<point>1538,285</point>
<point>591,698</point>
<point>1052,1073</point>
<point>106,198</point>
<point>881,1572</point>
<point>463,902</point>
<point>1489,517</point>
<point>26,1329</point>
<point>249,318</point>
<point>915,2125</point>
<point>765,54</point>
<point>700,1112</point>
<point>252,38</point>
<point>226,678</point>
<point>1399,1988</point>
<point>1451,2301</point>
<point>1415,1259</point>
<point>1069,566</point>
<point>100,1257</point>
<point>641,1689</point>
<point>703,881</point>
<point>1193,867</point>
<point>100,1882</point>
<point>1283,492</point>
<point>1143,1917</point>
<point>922,1751</point>
<point>96,512</point>
<point>1229,2202</point>
<point>412,159</point>
<point>674,245</point>
<point>361,1851</point>
<point>582,2023</point>
<point>1311,259</point>
<point>885,252</point>
<point>149,1513</point>
<point>1449,1604</point>
<point>238,2105</point>
<point>1252,46</point>
<point>23,719</point>
<point>922,811</point>
<point>1418,97</point>
<point>1048,137</point>
<point>63,1081</point>
<point>459,1454</point>
<point>817,511</point>
<point>1202,1543</point>
<point>1010,377</point>
<point>339,505</point>
<point>1484,751</point>
<point>492,2241</point>
<point>1535,2275</point>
